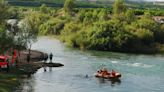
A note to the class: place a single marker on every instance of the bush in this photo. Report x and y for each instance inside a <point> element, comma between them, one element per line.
<point>146,36</point>
<point>53,26</point>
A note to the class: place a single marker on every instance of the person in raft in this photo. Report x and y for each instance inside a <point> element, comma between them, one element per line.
<point>113,73</point>
<point>104,72</point>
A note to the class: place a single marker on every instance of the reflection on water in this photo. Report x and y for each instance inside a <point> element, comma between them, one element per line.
<point>141,73</point>
<point>27,85</point>
<point>114,82</point>
<point>47,69</point>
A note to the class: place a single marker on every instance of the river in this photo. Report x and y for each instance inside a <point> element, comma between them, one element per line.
<point>140,73</point>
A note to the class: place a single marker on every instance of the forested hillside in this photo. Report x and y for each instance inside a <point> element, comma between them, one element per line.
<point>119,28</point>
<point>83,3</point>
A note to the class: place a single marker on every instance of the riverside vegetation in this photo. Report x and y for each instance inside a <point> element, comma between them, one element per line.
<point>119,28</point>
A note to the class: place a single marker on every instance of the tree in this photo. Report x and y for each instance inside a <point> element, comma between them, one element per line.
<point>147,22</point>
<point>25,36</point>
<point>103,15</point>
<point>6,41</point>
<point>68,6</point>
<point>52,26</point>
<point>81,15</point>
<point>130,16</point>
<point>119,7</point>
<point>3,11</point>
<point>29,28</point>
<point>34,19</point>
<point>147,15</point>
<point>145,35</point>
<point>44,8</point>
<point>159,34</point>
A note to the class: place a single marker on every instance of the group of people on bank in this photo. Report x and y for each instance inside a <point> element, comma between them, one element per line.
<point>45,57</point>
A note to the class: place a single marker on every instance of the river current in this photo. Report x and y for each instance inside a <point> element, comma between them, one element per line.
<point>140,73</point>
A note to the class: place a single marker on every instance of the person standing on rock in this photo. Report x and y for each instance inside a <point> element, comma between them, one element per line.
<point>45,57</point>
<point>51,56</point>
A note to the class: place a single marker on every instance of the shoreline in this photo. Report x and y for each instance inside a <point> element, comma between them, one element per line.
<point>157,49</point>
<point>9,81</point>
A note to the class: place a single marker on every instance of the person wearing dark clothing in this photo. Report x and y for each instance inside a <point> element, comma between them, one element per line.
<point>8,66</point>
<point>28,58</point>
<point>86,76</point>
<point>51,56</point>
<point>16,60</point>
<point>45,57</point>
<point>45,60</point>
<point>45,69</point>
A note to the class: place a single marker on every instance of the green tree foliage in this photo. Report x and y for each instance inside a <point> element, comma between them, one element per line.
<point>6,41</point>
<point>14,13</point>
<point>68,6</point>
<point>43,8</point>
<point>34,20</point>
<point>130,16</point>
<point>145,35</point>
<point>69,34</point>
<point>159,34</point>
<point>4,14</point>
<point>46,10</point>
<point>81,15</point>
<point>103,15</point>
<point>53,26</point>
<point>29,28</point>
<point>119,7</point>
<point>101,31</point>
<point>98,29</point>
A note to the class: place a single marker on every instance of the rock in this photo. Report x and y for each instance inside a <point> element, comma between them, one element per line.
<point>53,64</point>
<point>35,62</point>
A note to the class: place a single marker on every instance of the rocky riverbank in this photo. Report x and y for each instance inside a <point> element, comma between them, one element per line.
<point>36,62</point>
<point>22,69</point>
